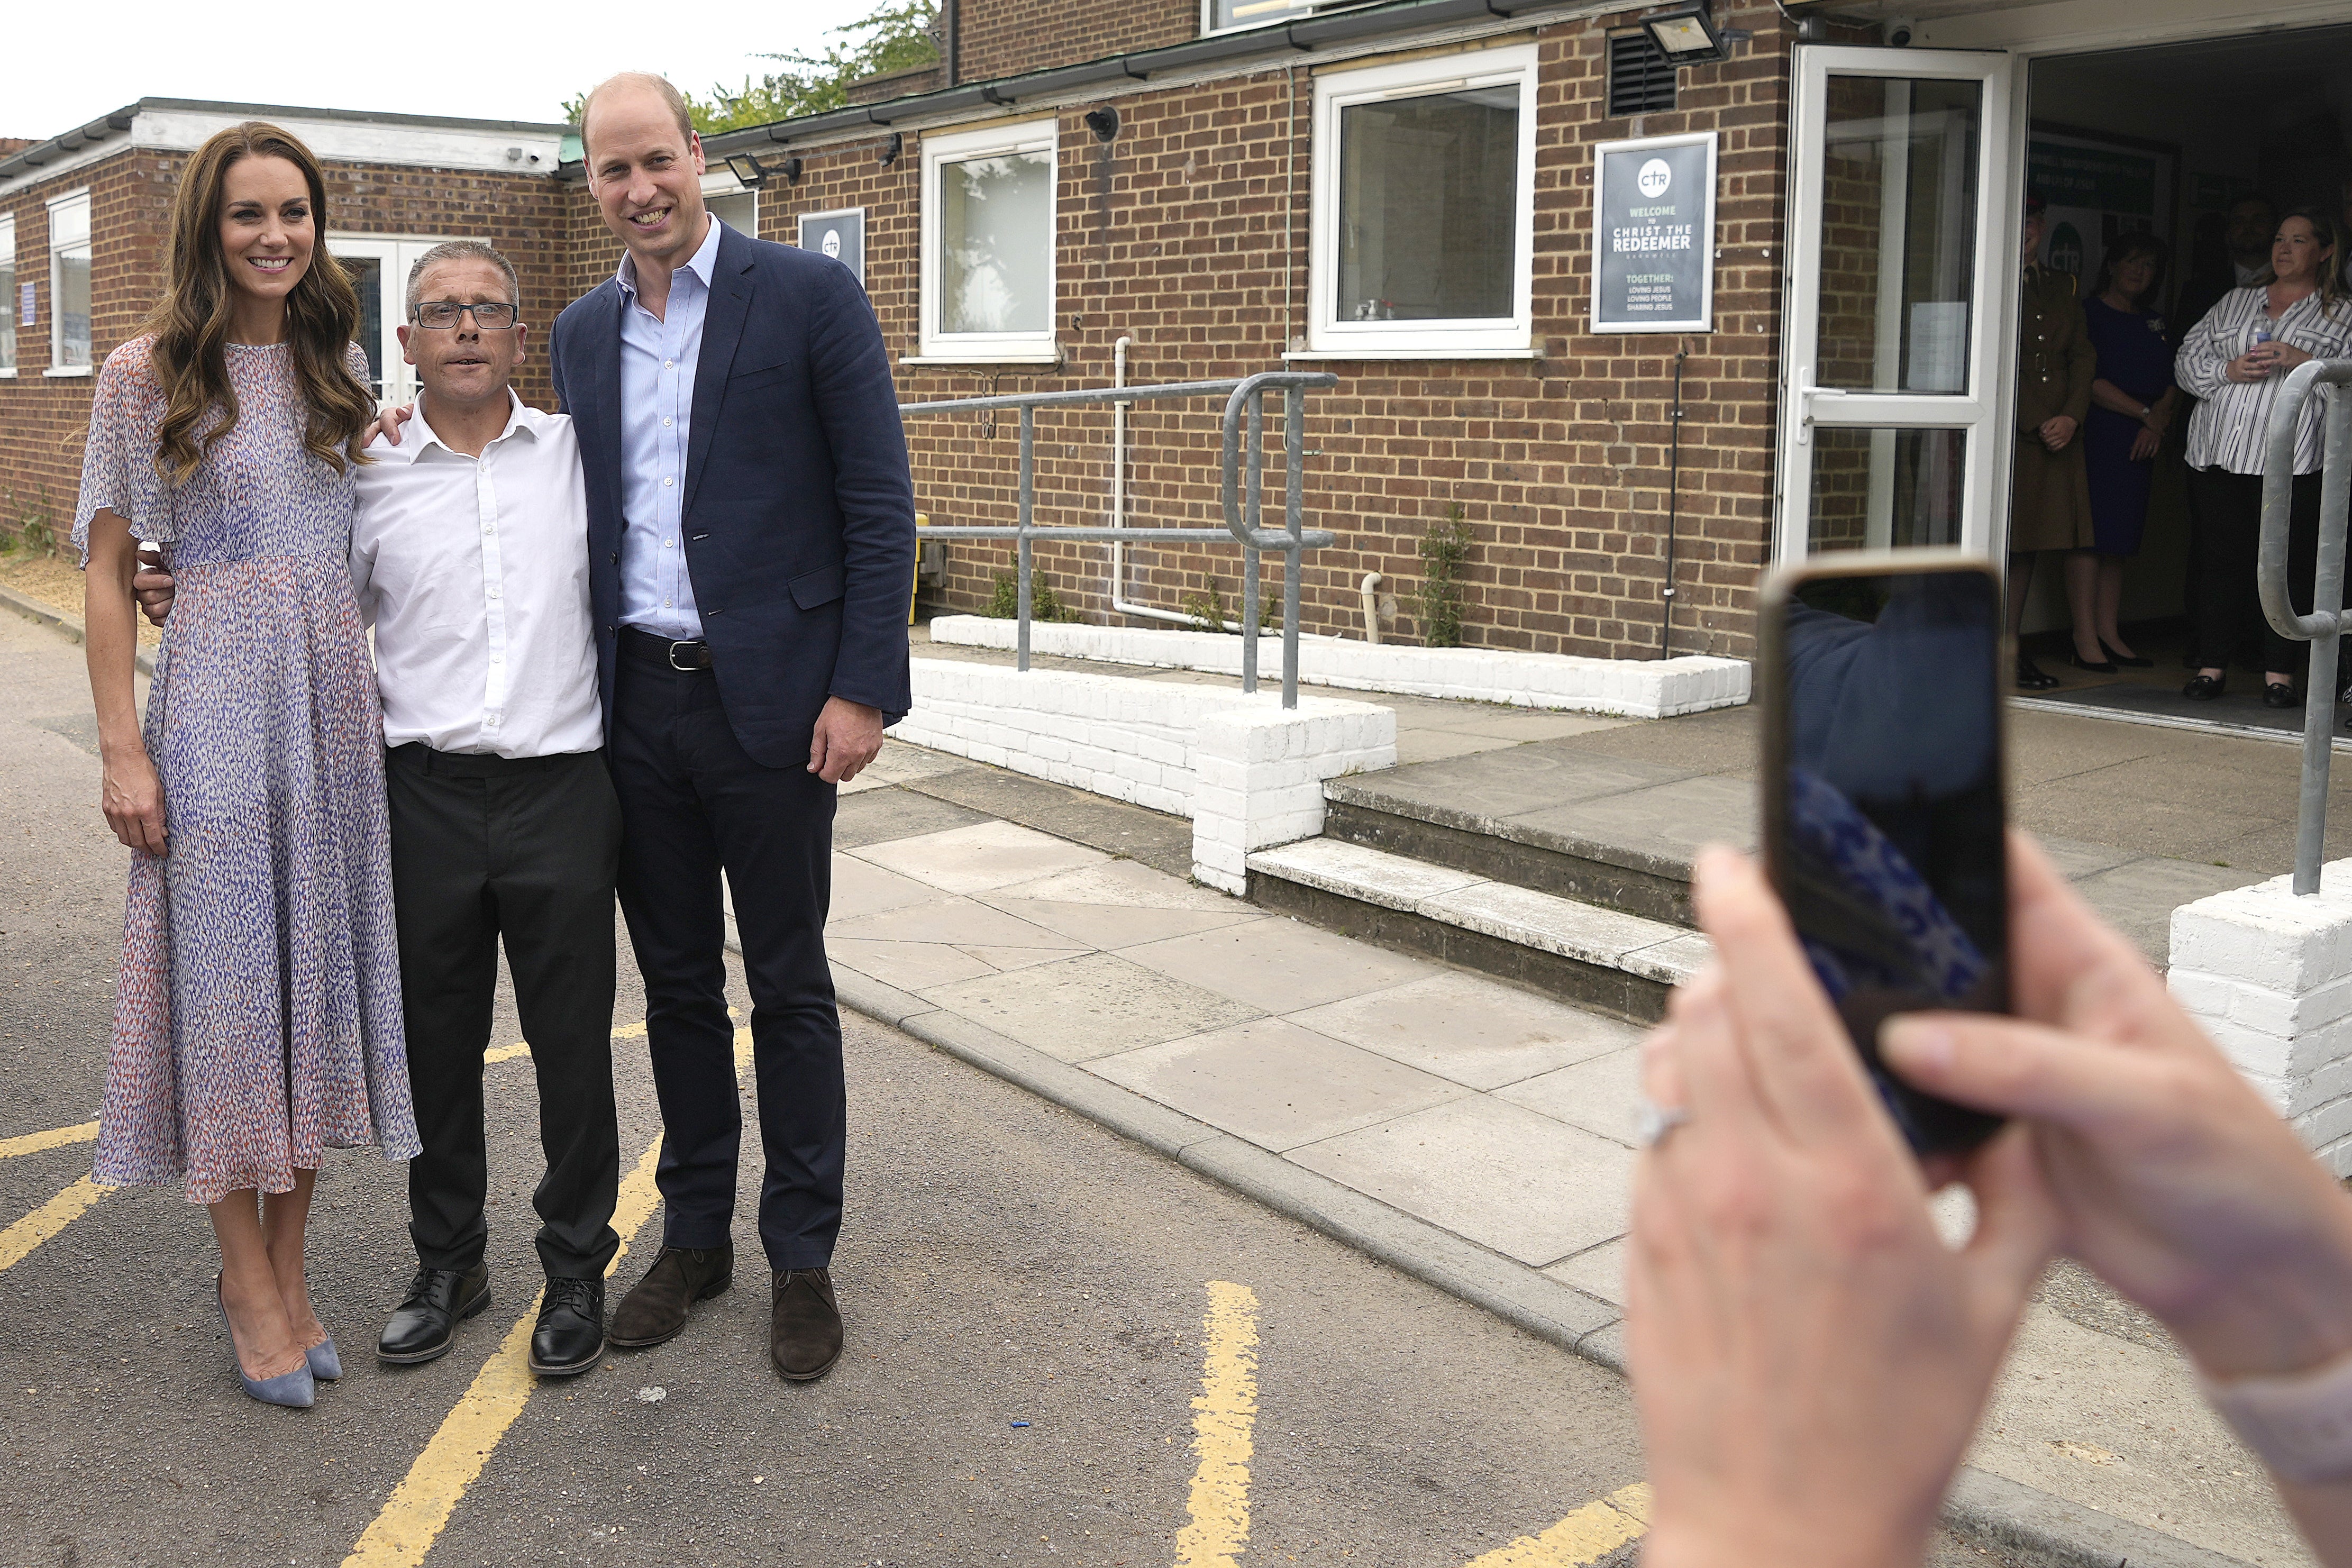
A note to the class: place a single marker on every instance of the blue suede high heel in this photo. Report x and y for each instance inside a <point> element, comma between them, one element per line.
<point>295,1390</point>
<point>326,1366</point>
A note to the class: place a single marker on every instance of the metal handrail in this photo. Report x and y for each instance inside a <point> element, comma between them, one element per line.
<point>1243,499</point>
<point>2327,622</point>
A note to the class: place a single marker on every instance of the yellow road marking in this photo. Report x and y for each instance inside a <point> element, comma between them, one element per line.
<point>1586,1536</point>
<point>55,1138</point>
<point>1223,1415</point>
<point>506,1052</point>
<point>498,1054</point>
<point>45,1222</point>
<point>420,1507</point>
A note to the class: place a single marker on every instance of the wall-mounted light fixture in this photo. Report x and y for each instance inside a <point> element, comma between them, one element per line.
<point>747,168</point>
<point>891,149</point>
<point>1686,34</point>
<point>1103,121</point>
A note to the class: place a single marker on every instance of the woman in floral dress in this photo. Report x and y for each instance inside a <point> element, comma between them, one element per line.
<point>257,1016</point>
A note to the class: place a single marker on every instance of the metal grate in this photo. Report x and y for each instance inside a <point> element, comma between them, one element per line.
<point>1640,78</point>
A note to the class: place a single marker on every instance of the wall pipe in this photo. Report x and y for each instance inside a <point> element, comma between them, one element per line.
<point>1369,588</point>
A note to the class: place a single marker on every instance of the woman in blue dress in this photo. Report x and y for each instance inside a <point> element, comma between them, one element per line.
<point>2133,402</point>
<point>257,1021</point>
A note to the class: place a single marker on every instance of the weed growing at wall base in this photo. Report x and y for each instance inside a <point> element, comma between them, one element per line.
<point>1442,551</point>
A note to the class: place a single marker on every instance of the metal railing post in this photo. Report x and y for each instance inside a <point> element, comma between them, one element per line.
<point>1021,550</point>
<point>1293,507</point>
<point>2324,626</point>
<point>1251,509</point>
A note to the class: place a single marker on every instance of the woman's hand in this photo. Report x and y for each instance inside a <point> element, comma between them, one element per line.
<point>2284,355</point>
<point>2056,431</point>
<point>1809,1358</point>
<point>2255,364</point>
<point>2176,1182</point>
<point>132,797</point>
<point>2145,444</point>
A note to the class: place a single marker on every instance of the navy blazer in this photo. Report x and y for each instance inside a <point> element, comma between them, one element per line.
<point>799,511</point>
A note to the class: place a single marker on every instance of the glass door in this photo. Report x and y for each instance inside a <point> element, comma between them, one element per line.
<point>1890,424</point>
<point>378,269</point>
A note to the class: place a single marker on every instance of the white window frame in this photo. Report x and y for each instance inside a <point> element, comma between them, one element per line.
<point>394,254</point>
<point>1514,335</point>
<point>722,182</point>
<point>58,367</point>
<point>988,348</point>
<point>1275,11</point>
<point>13,324</point>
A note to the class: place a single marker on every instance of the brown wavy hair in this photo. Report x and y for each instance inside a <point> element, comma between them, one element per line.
<point>190,322</point>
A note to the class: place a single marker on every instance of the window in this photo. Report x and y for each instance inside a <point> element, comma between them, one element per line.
<point>731,202</point>
<point>1233,15</point>
<point>1640,78</point>
<point>378,269</point>
<point>988,244</point>
<point>8,302</point>
<point>1425,218</point>
<point>69,284</point>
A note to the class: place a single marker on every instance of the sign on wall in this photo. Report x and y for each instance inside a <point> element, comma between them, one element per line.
<point>1654,235</point>
<point>24,304</point>
<point>2099,190</point>
<point>840,235</point>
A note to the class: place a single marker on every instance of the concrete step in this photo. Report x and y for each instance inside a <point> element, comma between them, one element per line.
<point>1586,954</point>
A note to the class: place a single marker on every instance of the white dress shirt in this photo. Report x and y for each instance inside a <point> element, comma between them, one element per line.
<point>659,356</point>
<point>474,572</point>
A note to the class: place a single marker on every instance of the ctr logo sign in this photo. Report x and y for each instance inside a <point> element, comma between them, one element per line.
<point>1654,178</point>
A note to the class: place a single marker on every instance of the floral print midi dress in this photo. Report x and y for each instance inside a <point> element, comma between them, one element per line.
<point>257,1018</point>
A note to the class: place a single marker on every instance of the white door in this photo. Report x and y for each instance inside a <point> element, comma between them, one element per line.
<point>1896,301</point>
<point>379,271</point>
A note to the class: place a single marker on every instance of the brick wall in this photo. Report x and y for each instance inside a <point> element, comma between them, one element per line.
<point>42,418</point>
<point>997,39</point>
<point>1189,234</point>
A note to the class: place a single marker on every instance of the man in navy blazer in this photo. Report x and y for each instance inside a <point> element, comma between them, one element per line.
<point>751,539</point>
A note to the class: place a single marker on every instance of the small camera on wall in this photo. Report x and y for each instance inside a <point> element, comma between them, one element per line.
<point>1899,32</point>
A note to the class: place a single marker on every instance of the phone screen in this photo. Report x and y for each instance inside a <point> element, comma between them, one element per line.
<point>1884,807</point>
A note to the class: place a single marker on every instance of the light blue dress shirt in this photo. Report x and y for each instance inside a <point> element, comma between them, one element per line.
<point>658,354</point>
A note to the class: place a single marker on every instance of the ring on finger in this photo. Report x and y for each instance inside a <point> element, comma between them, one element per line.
<point>1652,1121</point>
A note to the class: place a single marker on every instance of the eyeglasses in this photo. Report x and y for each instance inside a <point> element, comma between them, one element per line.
<point>440,315</point>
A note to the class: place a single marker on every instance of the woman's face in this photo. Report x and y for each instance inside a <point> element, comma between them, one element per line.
<point>2134,275</point>
<point>266,227</point>
<point>2295,254</point>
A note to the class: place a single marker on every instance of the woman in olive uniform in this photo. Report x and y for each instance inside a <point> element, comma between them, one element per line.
<point>2050,494</point>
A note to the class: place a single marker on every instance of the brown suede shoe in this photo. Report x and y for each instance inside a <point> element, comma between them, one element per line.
<point>804,1324</point>
<point>655,1309</point>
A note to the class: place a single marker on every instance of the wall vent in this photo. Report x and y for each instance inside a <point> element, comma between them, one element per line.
<point>1640,78</point>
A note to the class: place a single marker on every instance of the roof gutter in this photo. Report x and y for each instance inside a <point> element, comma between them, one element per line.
<point>31,159</point>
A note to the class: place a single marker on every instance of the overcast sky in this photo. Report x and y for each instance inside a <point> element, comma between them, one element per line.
<point>509,61</point>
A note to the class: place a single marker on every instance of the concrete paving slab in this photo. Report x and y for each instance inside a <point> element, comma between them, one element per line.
<point>1093,1005</point>
<point>1435,745</point>
<point>1111,826</point>
<point>1469,1030</point>
<point>1527,1187</point>
<point>1587,932</point>
<point>885,812</point>
<point>2138,897</point>
<point>1276,1084</point>
<point>1666,822</point>
<point>1114,926</point>
<point>1602,1095</point>
<point>960,922</point>
<point>983,855</point>
<point>1278,965</point>
<point>2078,857</point>
<point>897,763</point>
<point>1523,726</point>
<point>863,888</point>
<point>908,965</point>
<point>1674,961</point>
<point>1597,1271</point>
<point>1358,871</point>
<point>1129,882</point>
<point>1006,959</point>
<point>1533,777</point>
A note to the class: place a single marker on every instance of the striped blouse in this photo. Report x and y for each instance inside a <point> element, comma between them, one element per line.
<point>2232,421</point>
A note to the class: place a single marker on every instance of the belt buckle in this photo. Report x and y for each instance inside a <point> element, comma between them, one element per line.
<point>701,663</point>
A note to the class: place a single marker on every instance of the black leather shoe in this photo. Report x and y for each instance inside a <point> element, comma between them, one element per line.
<point>425,1323</point>
<point>2205,687</point>
<point>2030,677</point>
<point>655,1308</point>
<point>2096,667</point>
<point>2278,694</point>
<point>571,1332</point>
<point>804,1323</point>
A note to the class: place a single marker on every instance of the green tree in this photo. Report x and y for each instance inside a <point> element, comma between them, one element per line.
<point>898,34</point>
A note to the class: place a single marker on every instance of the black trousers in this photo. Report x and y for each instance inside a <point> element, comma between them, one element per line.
<point>2229,536</point>
<point>527,850</point>
<point>693,805</point>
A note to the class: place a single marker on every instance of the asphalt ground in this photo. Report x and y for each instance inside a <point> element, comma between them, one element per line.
<point>1028,1298</point>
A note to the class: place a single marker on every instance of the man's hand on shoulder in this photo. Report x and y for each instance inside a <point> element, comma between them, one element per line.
<point>848,736</point>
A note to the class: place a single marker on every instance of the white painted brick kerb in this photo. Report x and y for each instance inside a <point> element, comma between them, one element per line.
<point>1636,688</point>
<point>2269,976</point>
<point>1248,771</point>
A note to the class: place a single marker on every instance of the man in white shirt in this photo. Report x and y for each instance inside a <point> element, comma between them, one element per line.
<point>469,558</point>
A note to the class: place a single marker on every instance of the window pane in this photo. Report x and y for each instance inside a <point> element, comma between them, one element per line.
<point>997,243</point>
<point>68,222</point>
<point>1898,234</point>
<point>1258,13</point>
<point>1877,488</point>
<point>8,310</point>
<point>73,307</point>
<point>366,274</point>
<point>1428,207</point>
<point>740,212</point>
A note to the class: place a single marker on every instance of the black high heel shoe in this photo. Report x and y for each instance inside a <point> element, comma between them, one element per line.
<point>2103,667</point>
<point>2031,676</point>
<point>2127,660</point>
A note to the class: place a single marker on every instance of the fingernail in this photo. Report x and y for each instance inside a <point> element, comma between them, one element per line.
<point>1919,1046</point>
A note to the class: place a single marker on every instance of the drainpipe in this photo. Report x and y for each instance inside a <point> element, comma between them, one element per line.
<point>1119,502</point>
<point>1371,589</point>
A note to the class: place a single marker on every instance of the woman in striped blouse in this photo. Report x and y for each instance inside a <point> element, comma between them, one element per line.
<point>2234,361</point>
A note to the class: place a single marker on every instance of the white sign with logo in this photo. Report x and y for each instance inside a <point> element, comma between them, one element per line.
<point>1654,235</point>
<point>840,235</point>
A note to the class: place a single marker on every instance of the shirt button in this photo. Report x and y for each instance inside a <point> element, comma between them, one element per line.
<point>666,421</point>
<point>665,604</point>
<point>665,478</point>
<point>497,658</point>
<point>494,593</point>
<point>669,364</point>
<point>489,528</point>
<point>665,543</point>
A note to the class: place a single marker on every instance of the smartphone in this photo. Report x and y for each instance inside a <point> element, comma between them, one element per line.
<point>1886,797</point>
